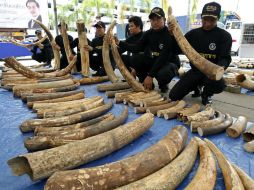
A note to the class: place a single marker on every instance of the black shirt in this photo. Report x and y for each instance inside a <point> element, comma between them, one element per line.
<point>214,45</point>
<point>75,43</point>
<point>46,50</point>
<point>159,45</point>
<point>134,39</point>
<point>59,42</point>
<point>97,44</point>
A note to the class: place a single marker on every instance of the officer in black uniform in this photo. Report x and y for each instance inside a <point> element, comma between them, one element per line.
<point>59,45</point>
<point>159,59</point>
<point>135,28</point>
<point>212,43</point>
<point>95,50</point>
<point>42,52</point>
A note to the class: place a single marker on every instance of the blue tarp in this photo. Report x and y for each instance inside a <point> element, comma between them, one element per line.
<point>13,112</point>
<point>8,50</point>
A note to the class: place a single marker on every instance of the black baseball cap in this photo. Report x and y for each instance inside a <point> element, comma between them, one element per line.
<point>100,24</point>
<point>211,9</point>
<point>156,11</point>
<point>37,31</point>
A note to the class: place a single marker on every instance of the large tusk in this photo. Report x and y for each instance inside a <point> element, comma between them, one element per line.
<point>170,176</point>
<point>124,171</point>
<point>93,80</point>
<point>245,81</point>
<point>18,89</point>
<point>154,109</point>
<point>42,164</point>
<point>77,96</point>
<point>48,96</point>
<point>77,109</point>
<point>183,114</point>
<point>52,40</point>
<point>248,134</point>
<point>172,111</point>
<point>25,71</point>
<point>111,94</point>
<point>114,86</point>
<point>30,125</point>
<point>51,130</point>
<point>105,55</point>
<point>66,43</point>
<point>240,71</point>
<point>249,146</point>
<point>84,54</point>
<point>206,173</point>
<point>211,130</point>
<point>238,127</point>
<point>44,142</point>
<point>134,84</point>
<point>231,179</point>
<point>247,181</point>
<point>202,116</point>
<point>209,123</point>
<point>211,70</point>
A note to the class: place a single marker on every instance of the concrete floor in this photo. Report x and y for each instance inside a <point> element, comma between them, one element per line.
<point>226,102</point>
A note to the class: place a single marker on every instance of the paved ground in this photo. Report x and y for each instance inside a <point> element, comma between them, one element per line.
<point>226,102</point>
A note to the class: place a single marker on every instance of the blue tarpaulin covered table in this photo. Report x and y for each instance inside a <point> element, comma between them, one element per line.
<point>13,112</point>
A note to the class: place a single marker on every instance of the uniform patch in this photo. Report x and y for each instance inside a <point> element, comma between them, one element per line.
<point>212,46</point>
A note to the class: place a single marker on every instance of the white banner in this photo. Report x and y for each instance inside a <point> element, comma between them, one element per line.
<point>19,13</point>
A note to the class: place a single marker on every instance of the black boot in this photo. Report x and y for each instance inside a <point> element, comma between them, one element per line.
<point>197,92</point>
<point>206,99</point>
<point>163,88</point>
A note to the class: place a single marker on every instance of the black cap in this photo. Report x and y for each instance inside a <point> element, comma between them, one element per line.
<point>211,9</point>
<point>100,24</point>
<point>37,31</point>
<point>156,11</point>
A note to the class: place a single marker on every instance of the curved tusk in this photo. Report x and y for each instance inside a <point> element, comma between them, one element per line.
<point>42,164</point>
<point>238,127</point>
<point>249,146</point>
<point>52,40</point>
<point>231,179</point>
<point>209,123</point>
<point>84,54</point>
<point>105,55</point>
<point>211,70</point>
<point>247,181</point>
<point>211,130</point>
<point>170,176</point>
<point>134,84</point>
<point>245,81</point>
<point>126,170</point>
<point>248,134</point>
<point>25,71</point>
<point>205,176</point>
<point>183,114</point>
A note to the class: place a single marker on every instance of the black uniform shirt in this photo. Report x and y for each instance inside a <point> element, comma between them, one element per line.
<point>46,50</point>
<point>75,43</point>
<point>97,44</point>
<point>214,45</point>
<point>59,42</point>
<point>159,45</point>
<point>134,39</point>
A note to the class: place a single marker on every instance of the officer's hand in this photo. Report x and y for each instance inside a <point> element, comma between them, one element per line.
<point>88,48</point>
<point>71,57</point>
<point>148,83</point>
<point>41,46</point>
<point>171,28</point>
<point>133,73</point>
